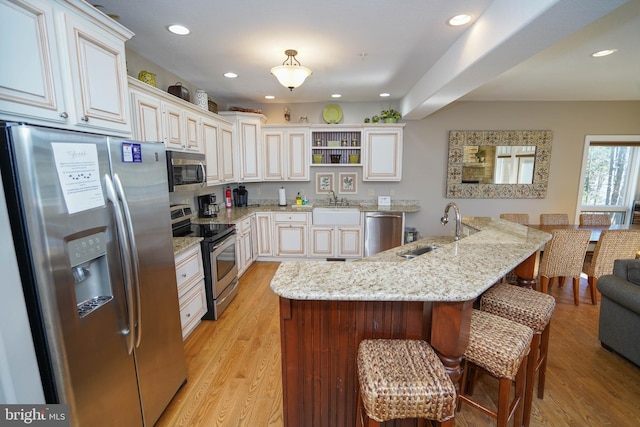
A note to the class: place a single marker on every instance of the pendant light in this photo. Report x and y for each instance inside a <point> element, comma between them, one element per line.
<point>291,74</point>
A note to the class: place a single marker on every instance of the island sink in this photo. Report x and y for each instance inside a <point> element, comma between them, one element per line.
<point>418,251</point>
<point>336,216</point>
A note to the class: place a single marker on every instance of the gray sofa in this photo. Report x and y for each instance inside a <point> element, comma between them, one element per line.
<point>620,309</point>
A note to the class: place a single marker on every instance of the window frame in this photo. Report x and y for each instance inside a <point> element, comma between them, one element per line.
<point>634,168</point>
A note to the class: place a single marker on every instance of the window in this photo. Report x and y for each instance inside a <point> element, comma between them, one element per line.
<point>609,176</point>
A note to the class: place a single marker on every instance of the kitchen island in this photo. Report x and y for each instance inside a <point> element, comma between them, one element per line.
<point>327,308</point>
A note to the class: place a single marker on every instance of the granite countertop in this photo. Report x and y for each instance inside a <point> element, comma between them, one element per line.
<point>238,214</point>
<point>183,243</point>
<point>455,271</point>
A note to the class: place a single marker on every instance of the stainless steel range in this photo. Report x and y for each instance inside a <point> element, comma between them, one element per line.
<point>218,258</point>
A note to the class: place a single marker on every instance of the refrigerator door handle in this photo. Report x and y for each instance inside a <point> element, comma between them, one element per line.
<point>112,196</point>
<point>134,257</point>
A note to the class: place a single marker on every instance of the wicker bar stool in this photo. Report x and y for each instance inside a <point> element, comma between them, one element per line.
<point>563,257</point>
<point>402,379</point>
<point>520,218</point>
<point>499,347</point>
<point>612,245</point>
<point>533,309</point>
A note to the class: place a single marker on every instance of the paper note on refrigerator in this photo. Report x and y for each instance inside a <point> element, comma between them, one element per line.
<point>79,175</point>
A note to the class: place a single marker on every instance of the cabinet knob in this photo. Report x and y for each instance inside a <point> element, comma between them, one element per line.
<point>184,274</point>
<point>84,118</point>
<point>188,314</point>
<point>64,115</point>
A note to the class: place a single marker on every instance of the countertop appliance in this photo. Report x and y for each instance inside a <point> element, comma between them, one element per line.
<point>382,231</point>
<point>186,171</point>
<point>207,206</point>
<point>240,196</point>
<point>89,218</point>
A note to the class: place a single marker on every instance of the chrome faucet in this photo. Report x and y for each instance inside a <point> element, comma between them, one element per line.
<point>333,199</point>
<point>445,218</point>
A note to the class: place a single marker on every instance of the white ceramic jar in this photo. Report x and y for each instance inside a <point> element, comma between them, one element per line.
<point>202,100</point>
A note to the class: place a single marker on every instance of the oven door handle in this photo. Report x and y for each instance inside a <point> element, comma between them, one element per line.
<point>224,242</point>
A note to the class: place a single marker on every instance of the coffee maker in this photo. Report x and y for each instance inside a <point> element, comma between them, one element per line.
<point>207,206</point>
<point>240,196</point>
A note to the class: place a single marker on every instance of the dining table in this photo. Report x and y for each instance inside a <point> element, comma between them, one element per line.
<point>596,230</point>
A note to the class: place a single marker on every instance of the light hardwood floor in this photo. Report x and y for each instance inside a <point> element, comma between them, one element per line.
<point>233,368</point>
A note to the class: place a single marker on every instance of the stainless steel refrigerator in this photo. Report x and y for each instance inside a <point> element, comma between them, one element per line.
<point>91,225</point>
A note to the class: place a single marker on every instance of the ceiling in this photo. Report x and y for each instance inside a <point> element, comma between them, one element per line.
<point>515,50</point>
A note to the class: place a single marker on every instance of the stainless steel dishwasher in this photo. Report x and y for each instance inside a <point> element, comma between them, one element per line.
<point>382,231</point>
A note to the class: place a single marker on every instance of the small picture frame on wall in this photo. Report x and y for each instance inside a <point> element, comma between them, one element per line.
<point>324,182</point>
<point>348,183</point>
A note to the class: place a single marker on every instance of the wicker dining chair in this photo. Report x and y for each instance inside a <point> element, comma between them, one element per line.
<point>564,257</point>
<point>554,219</point>
<point>520,218</point>
<point>595,219</point>
<point>612,245</point>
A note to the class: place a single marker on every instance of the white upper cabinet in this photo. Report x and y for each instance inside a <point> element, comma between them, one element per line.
<point>382,152</point>
<point>227,164</point>
<point>273,149</point>
<point>296,150</point>
<point>147,116</point>
<point>247,143</point>
<point>210,134</point>
<point>99,76</point>
<point>68,66</point>
<point>159,116</point>
<point>286,153</point>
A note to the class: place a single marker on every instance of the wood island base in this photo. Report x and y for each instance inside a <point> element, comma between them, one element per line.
<point>319,342</point>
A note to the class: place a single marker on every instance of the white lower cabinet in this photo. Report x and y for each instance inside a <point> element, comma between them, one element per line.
<point>245,252</point>
<point>191,294</point>
<point>335,242</point>
<point>290,234</point>
<point>263,231</point>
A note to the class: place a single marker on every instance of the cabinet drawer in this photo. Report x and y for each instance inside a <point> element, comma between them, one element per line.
<point>193,305</point>
<point>244,225</point>
<point>188,268</point>
<point>290,217</point>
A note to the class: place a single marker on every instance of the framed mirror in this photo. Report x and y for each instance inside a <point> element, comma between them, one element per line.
<point>495,164</point>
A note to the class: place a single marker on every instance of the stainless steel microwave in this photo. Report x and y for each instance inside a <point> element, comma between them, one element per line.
<point>186,171</point>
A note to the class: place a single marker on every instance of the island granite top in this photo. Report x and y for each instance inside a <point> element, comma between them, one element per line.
<point>455,271</point>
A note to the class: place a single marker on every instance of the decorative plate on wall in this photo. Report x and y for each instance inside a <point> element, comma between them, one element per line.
<point>332,113</point>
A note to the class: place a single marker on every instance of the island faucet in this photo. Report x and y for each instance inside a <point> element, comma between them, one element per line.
<point>445,218</point>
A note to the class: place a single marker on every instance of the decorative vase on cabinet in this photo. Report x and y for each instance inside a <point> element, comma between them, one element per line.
<point>202,100</point>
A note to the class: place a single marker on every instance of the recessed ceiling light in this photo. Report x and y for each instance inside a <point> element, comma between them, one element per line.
<point>178,29</point>
<point>385,95</point>
<point>336,95</point>
<point>230,75</point>
<point>269,97</point>
<point>605,52</point>
<point>458,20</point>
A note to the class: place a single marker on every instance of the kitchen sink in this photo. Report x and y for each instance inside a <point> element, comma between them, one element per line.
<point>418,251</point>
<point>335,216</point>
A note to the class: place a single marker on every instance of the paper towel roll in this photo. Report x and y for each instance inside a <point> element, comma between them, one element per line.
<point>282,197</point>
